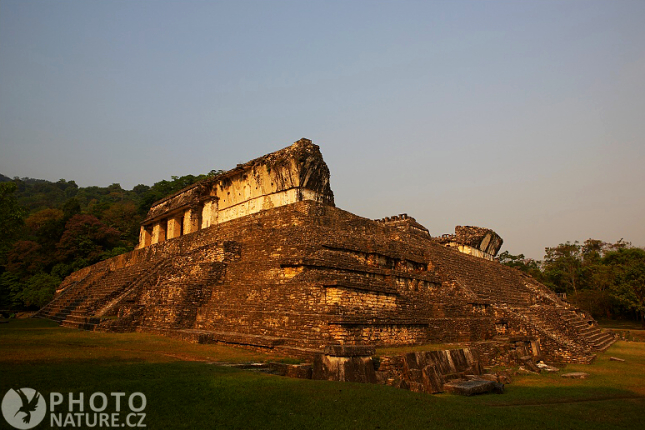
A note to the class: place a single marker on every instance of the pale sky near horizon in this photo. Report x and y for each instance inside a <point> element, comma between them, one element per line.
<point>527,117</point>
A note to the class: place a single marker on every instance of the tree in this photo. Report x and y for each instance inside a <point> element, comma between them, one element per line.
<point>86,238</point>
<point>11,217</point>
<point>520,262</point>
<point>71,207</point>
<point>628,286</point>
<point>25,259</point>
<point>10,288</point>
<point>124,217</point>
<point>562,267</point>
<point>50,229</point>
<point>39,290</point>
<point>46,227</point>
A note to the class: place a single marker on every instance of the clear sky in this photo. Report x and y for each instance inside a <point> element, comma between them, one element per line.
<point>527,117</point>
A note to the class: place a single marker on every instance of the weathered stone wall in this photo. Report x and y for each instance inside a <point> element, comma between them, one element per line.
<point>293,174</point>
<point>427,371</point>
<point>404,222</point>
<point>476,241</point>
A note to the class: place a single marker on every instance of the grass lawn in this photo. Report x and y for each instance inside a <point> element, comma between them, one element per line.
<point>626,330</point>
<point>620,324</point>
<point>184,390</point>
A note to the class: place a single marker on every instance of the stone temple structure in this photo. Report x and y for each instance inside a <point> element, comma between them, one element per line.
<point>260,256</point>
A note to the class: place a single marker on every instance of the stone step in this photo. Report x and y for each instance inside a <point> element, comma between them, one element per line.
<point>598,337</point>
<point>606,344</point>
<point>588,330</point>
<point>602,337</point>
<point>82,326</point>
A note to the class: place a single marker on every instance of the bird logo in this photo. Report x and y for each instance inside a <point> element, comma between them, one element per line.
<point>23,408</point>
<point>28,406</point>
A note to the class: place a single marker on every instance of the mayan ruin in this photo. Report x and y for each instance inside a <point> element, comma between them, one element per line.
<point>260,256</point>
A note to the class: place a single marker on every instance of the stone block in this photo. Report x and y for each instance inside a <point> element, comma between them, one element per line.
<point>469,388</point>
<point>529,364</point>
<point>504,377</point>
<point>483,377</point>
<point>547,368</point>
<point>300,371</point>
<point>432,380</point>
<point>575,375</point>
<point>348,369</point>
<point>417,387</point>
<point>350,350</point>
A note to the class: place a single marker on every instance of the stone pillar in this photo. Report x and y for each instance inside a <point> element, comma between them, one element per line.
<point>159,232</point>
<point>191,220</point>
<point>174,227</point>
<point>145,236</point>
<point>206,215</point>
<point>209,213</point>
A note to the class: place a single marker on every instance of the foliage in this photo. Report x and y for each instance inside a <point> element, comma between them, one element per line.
<point>86,237</point>
<point>39,289</point>
<point>50,229</point>
<point>628,286</point>
<point>607,279</point>
<point>11,217</point>
<point>562,267</point>
<point>520,262</point>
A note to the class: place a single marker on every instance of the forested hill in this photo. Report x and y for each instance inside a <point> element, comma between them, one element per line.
<point>50,229</point>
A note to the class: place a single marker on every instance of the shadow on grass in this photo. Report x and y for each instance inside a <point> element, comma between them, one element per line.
<point>202,396</point>
<point>196,395</point>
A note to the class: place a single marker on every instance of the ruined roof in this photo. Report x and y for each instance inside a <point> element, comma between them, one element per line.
<point>312,171</point>
<point>480,238</point>
<point>404,222</point>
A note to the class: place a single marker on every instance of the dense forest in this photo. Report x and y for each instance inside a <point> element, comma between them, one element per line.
<point>606,279</point>
<point>50,229</point>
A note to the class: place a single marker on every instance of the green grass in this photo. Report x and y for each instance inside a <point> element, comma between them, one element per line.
<point>625,330</point>
<point>183,393</point>
<point>620,324</point>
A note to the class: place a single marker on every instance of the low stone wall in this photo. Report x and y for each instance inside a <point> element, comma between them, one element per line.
<point>427,371</point>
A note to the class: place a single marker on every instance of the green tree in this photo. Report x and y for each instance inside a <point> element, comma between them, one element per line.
<point>11,217</point>
<point>39,290</point>
<point>10,288</point>
<point>520,262</point>
<point>628,286</point>
<point>86,238</point>
<point>562,267</point>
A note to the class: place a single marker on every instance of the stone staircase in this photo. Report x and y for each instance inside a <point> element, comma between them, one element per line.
<point>60,310</point>
<point>72,296</point>
<point>568,326</point>
<point>508,296</point>
<point>83,304</point>
<point>598,338</point>
<point>78,319</point>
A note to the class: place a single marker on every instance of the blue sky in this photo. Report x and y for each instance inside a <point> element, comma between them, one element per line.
<point>527,117</point>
